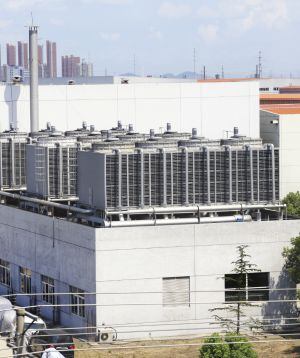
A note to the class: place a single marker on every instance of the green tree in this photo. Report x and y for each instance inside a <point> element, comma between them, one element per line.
<point>292,201</point>
<point>241,267</point>
<point>230,346</point>
<point>292,259</point>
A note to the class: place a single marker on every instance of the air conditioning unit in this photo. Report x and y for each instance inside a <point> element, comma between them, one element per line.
<point>107,335</point>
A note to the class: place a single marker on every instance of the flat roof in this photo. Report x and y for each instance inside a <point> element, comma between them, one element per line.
<point>229,80</point>
<point>281,109</point>
<point>280,96</point>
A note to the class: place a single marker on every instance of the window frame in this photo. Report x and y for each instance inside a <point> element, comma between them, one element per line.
<point>48,289</point>
<point>77,300</point>
<point>25,275</point>
<point>246,290</point>
<point>5,274</point>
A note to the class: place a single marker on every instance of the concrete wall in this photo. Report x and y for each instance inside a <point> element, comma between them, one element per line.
<point>135,259</point>
<point>286,135</point>
<point>213,108</point>
<point>127,265</point>
<point>56,248</point>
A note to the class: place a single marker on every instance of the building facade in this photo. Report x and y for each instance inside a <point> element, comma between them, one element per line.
<point>213,108</point>
<point>51,59</point>
<point>70,66</point>
<point>134,271</point>
<point>11,55</point>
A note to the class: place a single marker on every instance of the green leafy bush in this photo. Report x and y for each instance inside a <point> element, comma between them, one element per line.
<point>292,201</point>
<point>227,347</point>
<point>219,350</point>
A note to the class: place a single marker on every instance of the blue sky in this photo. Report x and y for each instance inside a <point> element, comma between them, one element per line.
<point>162,34</point>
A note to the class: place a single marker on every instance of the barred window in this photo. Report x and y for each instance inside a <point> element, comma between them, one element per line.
<point>176,291</point>
<point>4,272</point>
<point>48,289</point>
<point>25,280</point>
<point>77,301</point>
<point>247,287</point>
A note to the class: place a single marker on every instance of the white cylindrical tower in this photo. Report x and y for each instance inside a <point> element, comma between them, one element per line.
<point>34,91</point>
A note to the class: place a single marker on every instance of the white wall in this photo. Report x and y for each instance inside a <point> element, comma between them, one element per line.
<point>289,153</point>
<point>211,107</point>
<point>284,135</point>
<point>135,259</point>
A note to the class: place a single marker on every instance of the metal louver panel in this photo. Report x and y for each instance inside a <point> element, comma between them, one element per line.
<point>176,291</point>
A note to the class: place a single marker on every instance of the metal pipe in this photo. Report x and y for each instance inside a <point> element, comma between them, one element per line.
<point>141,152</point>
<point>205,148</point>
<point>163,152</point>
<point>154,222</point>
<point>228,148</point>
<point>185,151</point>
<point>34,89</point>
<point>47,203</point>
<point>249,149</point>
<point>196,208</point>
<point>271,147</point>
<point>118,153</point>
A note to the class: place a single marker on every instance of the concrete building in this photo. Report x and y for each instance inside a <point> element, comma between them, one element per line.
<point>51,59</point>
<point>137,271</point>
<point>70,66</point>
<point>11,55</point>
<point>23,54</point>
<point>213,108</point>
<point>86,69</point>
<point>280,125</point>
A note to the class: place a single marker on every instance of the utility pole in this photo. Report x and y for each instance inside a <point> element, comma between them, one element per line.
<point>20,329</point>
<point>223,71</point>
<point>204,72</point>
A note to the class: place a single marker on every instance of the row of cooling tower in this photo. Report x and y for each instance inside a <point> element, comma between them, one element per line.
<point>119,168</point>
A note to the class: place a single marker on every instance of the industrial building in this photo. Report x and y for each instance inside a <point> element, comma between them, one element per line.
<point>141,250</point>
<point>280,125</point>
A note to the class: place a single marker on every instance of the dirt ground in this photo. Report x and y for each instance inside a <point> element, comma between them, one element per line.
<point>287,349</point>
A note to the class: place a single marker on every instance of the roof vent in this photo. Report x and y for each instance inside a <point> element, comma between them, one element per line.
<point>169,127</point>
<point>120,125</point>
<point>84,125</point>
<point>92,128</point>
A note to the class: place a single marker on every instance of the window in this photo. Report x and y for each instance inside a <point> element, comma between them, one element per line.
<point>4,272</point>
<point>77,301</point>
<point>176,291</point>
<point>247,287</point>
<point>48,289</point>
<point>25,280</point>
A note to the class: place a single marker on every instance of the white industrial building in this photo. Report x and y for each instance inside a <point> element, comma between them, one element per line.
<point>213,108</point>
<point>280,125</point>
<point>134,269</point>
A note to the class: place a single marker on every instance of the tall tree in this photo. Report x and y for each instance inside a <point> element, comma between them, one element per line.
<point>237,282</point>
<point>292,259</point>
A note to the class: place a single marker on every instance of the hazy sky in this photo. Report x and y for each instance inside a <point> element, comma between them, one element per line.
<point>162,34</point>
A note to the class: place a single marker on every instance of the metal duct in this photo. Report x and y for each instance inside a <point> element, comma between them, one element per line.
<point>206,220</point>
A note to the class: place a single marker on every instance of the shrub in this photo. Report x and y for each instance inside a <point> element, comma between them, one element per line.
<point>219,350</point>
<point>227,347</point>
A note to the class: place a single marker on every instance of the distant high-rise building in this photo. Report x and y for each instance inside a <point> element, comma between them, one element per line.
<point>70,66</point>
<point>51,59</point>
<point>11,55</point>
<point>86,69</point>
<point>23,54</point>
<point>40,54</point>
<point>42,66</point>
